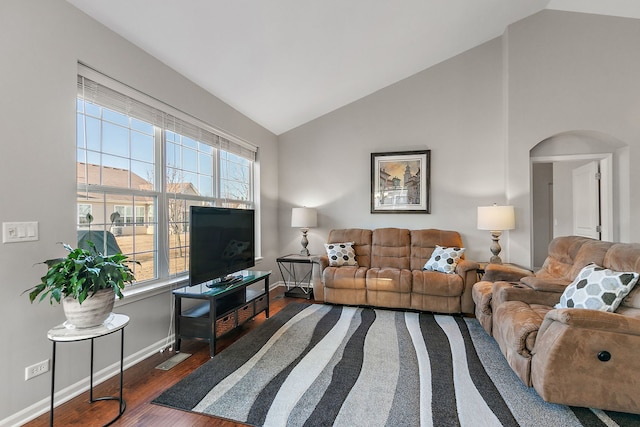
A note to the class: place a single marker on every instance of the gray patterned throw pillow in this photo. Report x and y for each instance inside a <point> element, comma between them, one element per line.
<point>598,288</point>
<point>444,259</point>
<point>341,254</point>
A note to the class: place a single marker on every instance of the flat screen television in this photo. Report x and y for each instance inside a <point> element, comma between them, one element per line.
<point>221,243</point>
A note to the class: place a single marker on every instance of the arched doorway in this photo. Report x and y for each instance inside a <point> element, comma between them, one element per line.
<point>554,163</point>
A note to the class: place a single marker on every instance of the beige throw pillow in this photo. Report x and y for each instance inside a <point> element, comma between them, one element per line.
<point>598,288</point>
<point>341,254</point>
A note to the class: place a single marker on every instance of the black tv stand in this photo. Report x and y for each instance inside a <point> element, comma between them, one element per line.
<point>224,308</point>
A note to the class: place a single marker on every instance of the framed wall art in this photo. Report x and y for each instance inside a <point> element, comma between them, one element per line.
<point>400,182</point>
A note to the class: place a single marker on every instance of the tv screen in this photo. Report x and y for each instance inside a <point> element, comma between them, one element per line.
<point>221,243</point>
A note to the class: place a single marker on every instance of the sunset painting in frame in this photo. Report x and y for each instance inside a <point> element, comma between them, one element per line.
<point>400,182</point>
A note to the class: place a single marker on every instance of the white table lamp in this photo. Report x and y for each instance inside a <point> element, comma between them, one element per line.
<point>496,219</point>
<point>304,218</point>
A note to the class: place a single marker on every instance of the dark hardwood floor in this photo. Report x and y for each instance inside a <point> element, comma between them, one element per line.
<point>143,383</point>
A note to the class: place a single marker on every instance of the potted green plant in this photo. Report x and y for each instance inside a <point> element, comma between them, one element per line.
<point>86,282</point>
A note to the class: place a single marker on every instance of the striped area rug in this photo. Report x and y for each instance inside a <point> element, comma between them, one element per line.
<point>322,365</point>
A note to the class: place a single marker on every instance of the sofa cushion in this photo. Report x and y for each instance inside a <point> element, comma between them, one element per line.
<point>390,247</point>
<point>598,288</point>
<point>423,243</point>
<point>361,239</point>
<point>389,279</point>
<point>341,254</point>
<point>345,277</point>
<point>591,252</point>
<point>437,283</point>
<point>625,257</point>
<point>561,254</point>
<point>444,259</point>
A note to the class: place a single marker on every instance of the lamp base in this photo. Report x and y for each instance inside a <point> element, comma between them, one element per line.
<point>304,242</point>
<point>495,247</point>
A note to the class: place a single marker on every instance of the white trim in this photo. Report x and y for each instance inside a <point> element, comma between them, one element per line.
<point>132,294</point>
<point>569,157</point>
<point>140,291</point>
<point>606,198</point>
<point>42,406</point>
<point>143,290</point>
<point>606,189</point>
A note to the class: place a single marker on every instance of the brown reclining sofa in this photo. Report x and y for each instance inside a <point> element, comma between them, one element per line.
<point>573,356</point>
<point>390,272</point>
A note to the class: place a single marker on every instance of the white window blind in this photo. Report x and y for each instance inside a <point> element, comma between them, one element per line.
<point>136,104</point>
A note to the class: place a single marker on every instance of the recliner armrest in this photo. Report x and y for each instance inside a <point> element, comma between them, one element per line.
<point>592,319</point>
<point>517,291</point>
<point>502,272</point>
<point>321,260</point>
<point>465,265</point>
<point>316,276</point>
<point>546,284</point>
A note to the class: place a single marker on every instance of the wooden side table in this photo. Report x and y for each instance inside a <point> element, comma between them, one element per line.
<point>65,333</point>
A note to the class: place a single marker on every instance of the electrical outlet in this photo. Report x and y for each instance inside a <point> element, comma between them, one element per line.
<point>35,370</point>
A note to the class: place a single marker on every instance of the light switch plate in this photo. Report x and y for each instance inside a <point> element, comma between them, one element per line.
<point>14,232</point>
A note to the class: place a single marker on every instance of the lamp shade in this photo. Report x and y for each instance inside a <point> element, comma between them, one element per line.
<point>496,218</point>
<point>304,217</point>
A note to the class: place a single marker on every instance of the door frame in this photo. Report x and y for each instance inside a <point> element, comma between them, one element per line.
<point>606,189</point>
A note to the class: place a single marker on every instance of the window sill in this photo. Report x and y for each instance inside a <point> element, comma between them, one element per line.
<point>140,292</point>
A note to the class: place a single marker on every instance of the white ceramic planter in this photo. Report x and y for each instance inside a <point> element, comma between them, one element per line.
<point>92,312</point>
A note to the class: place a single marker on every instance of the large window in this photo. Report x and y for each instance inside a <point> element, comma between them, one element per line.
<point>141,165</point>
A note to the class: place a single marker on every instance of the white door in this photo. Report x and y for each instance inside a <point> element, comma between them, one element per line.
<point>586,201</point>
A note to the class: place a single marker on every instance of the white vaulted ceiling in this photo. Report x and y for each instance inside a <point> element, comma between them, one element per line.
<point>283,63</point>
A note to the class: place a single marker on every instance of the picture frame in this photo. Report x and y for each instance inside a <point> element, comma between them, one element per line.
<point>400,182</point>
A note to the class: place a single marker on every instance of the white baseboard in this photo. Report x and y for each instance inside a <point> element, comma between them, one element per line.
<point>276,285</point>
<point>82,386</point>
<point>281,283</point>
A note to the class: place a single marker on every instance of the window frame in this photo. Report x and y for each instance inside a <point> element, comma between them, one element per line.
<point>82,219</point>
<point>162,263</point>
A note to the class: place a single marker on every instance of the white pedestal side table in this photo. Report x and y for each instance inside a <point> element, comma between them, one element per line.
<point>64,333</point>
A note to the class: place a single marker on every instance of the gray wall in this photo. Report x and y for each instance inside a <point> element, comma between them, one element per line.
<point>480,113</point>
<point>455,109</point>
<point>542,194</point>
<point>41,44</point>
<point>572,72</point>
